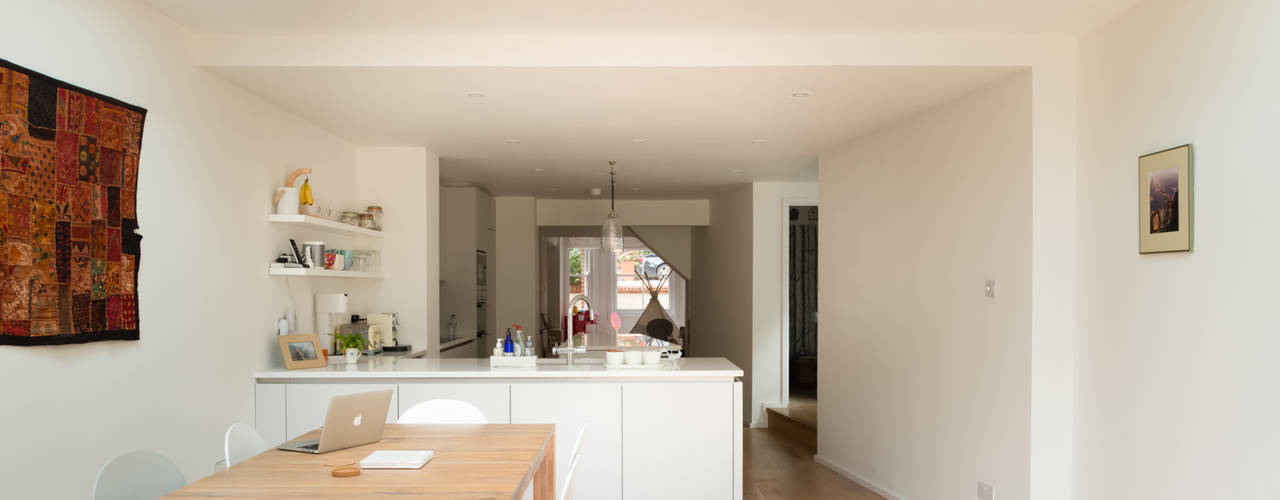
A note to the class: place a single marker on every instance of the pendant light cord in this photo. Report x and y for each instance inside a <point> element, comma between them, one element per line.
<point>611,183</point>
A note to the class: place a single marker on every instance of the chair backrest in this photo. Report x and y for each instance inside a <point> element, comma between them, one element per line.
<point>566,490</point>
<point>242,443</point>
<point>443,411</point>
<point>137,475</point>
<point>577,444</point>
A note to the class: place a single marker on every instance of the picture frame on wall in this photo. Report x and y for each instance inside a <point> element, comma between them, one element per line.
<point>302,351</point>
<point>1164,201</point>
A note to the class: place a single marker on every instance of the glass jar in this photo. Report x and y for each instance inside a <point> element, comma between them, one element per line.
<point>350,218</point>
<point>359,261</point>
<point>376,212</point>
<point>366,221</point>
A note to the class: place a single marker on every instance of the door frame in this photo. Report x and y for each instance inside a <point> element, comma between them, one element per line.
<point>785,332</point>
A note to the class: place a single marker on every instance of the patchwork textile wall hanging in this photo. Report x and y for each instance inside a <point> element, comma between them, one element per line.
<point>68,192</point>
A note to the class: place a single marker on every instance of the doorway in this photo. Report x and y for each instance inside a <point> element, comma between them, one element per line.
<point>801,314</point>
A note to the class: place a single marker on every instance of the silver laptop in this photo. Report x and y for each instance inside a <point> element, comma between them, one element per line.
<point>352,420</point>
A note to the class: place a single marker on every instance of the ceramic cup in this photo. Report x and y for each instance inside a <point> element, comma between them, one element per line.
<point>633,357</point>
<point>652,357</point>
<point>352,355</point>
<point>613,357</point>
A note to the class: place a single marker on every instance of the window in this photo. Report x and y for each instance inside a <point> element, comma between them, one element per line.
<point>579,272</point>
<point>630,290</point>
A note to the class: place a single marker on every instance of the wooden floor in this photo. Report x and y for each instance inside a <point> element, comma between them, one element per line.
<point>802,408</point>
<point>776,468</point>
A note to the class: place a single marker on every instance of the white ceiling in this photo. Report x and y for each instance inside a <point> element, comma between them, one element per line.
<point>311,17</point>
<point>698,125</point>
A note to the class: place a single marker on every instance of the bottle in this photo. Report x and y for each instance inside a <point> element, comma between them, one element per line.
<point>453,326</point>
<point>508,346</point>
<point>528,346</point>
<point>497,349</point>
<point>519,339</point>
<point>282,326</point>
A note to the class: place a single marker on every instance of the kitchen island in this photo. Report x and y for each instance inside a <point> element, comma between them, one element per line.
<point>669,432</point>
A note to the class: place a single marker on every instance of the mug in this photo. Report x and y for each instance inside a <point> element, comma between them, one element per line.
<point>633,357</point>
<point>652,357</point>
<point>352,354</point>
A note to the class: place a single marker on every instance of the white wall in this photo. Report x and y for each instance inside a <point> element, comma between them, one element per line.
<point>458,244</point>
<point>1176,353</point>
<point>673,243</point>
<point>212,156</point>
<point>925,384</point>
<point>516,293</point>
<point>405,181</point>
<point>556,212</point>
<point>719,304</point>
<point>769,288</point>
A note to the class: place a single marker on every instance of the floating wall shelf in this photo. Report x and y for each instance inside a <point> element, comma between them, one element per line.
<point>321,273</point>
<point>326,225</point>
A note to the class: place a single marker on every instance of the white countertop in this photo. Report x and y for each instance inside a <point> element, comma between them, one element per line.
<point>401,368</point>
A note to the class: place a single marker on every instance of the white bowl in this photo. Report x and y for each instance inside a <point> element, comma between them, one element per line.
<point>634,357</point>
<point>613,357</point>
<point>652,357</point>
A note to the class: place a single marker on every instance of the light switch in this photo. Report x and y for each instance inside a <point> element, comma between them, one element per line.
<point>985,491</point>
<point>991,288</point>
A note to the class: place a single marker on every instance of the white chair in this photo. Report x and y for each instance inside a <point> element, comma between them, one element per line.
<point>566,490</point>
<point>242,443</point>
<point>137,475</point>
<point>577,444</point>
<point>443,411</point>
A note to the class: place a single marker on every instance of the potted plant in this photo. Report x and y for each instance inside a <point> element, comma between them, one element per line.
<point>351,344</point>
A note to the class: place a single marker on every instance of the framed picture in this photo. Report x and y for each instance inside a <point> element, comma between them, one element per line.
<point>1164,201</point>
<point>302,351</point>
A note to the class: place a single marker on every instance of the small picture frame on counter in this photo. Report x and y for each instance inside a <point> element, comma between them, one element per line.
<point>302,351</point>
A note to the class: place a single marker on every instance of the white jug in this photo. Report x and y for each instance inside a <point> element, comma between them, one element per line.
<point>287,201</point>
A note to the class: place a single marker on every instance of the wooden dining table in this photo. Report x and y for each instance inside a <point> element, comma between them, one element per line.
<point>470,461</point>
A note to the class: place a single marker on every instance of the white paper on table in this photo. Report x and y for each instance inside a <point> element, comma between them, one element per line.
<point>397,459</point>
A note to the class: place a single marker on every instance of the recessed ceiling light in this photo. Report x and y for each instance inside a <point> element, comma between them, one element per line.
<point>736,170</point>
<point>513,141</point>
<point>475,94</point>
<point>638,141</point>
<point>635,189</point>
<point>800,94</point>
<point>539,170</point>
<point>758,141</point>
<point>555,189</point>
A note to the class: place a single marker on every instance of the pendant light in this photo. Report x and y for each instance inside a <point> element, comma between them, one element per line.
<point>611,232</point>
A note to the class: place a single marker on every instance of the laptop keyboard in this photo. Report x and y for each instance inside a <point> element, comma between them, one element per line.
<point>312,446</point>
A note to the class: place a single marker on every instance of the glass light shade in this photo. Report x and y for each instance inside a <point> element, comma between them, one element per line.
<point>611,235</point>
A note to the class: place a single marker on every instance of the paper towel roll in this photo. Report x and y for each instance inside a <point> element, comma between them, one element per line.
<point>331,302</point>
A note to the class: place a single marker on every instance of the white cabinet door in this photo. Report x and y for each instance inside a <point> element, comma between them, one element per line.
<point>493,399</point>
<point>569,406</point>
<point>308,403</point>
<point>677,440</point>
<point>269,412</point>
